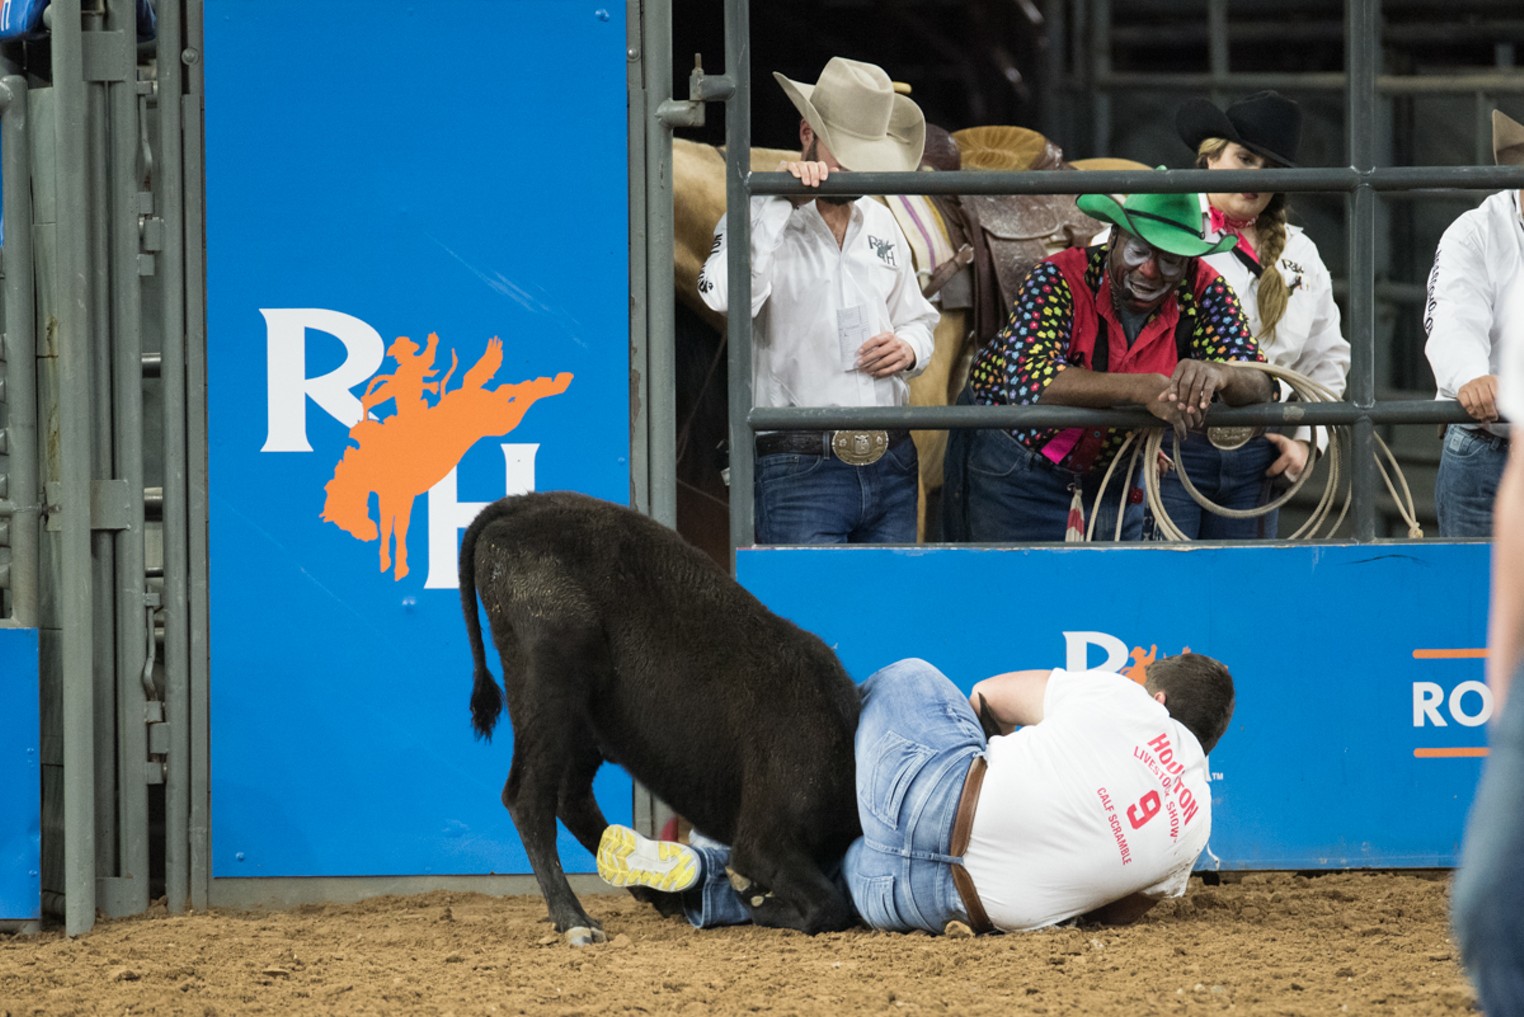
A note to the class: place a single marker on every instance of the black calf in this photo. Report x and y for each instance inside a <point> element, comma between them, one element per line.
<point>619,640</point>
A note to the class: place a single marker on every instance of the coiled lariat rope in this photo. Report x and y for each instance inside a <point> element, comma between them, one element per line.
<point>1336,487</point>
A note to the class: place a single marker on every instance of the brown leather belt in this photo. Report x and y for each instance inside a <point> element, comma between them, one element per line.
<point>963,828</point>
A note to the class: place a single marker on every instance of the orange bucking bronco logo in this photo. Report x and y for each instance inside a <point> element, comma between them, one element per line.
<point>401,456</point>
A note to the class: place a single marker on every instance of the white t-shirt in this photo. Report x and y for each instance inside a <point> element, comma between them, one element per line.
<point>1106,797</point>
<point>805,289</point>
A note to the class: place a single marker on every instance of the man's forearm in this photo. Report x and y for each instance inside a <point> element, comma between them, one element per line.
<point>1077,386</point>
<point>1246,385</point>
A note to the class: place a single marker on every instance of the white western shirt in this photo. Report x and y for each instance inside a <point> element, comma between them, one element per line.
<point>1308,338</point>
<point>801,282</point>
<point>1476,296</point>
<point>1107,796</point>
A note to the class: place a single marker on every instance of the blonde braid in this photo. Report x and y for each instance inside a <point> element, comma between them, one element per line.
<point>1273,293</point>
<point>1271,227</point>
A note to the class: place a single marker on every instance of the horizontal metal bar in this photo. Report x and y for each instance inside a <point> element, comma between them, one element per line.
<point>1411,411</point>
<point>1170,181</point>
<point>1501,82</point>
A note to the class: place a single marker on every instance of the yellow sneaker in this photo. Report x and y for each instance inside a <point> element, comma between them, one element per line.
<point>625,858</point>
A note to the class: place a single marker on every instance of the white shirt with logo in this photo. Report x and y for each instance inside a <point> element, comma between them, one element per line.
<point>1308,338</point>
<point>802,286</point>
<point>1107,796</point>
<point>1476,298</point>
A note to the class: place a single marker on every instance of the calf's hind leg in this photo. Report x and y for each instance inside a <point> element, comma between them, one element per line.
<point>579,810</point>
<point>546,703</point>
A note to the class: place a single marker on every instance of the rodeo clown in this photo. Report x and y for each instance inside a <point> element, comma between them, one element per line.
<point>1141,319</point>
<point>838,318</point>
<point>1045,796</point>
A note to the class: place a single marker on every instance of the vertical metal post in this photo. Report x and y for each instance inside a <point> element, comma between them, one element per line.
<point>193,239</point>
<point>743,445</point>
<point>647,29</point>
<point>130,890</point>
<point>661,354</point>
<point>69,514</point>
<point>1217,43</point>
<point>98,341</point>
<point>637,16</point>
<point>20,349</point>
<point>1100,68</point>
<point>177,778</point>
<point>1362,40</point>
<point>1054,70</point>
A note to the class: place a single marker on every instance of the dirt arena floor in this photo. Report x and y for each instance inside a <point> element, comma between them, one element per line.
<point>1268,943</point>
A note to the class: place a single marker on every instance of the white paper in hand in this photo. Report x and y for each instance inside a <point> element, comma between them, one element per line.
<point>851,333</point>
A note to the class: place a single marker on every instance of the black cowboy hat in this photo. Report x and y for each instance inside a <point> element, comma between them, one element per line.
<point>1266,123</point>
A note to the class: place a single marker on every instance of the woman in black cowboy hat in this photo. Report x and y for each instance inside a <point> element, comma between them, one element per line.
<point>1287,295</point>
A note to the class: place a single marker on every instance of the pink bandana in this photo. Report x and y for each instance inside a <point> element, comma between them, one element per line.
<point>1228,226</point>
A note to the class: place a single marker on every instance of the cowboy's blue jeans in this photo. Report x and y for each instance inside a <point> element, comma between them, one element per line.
<point>915,741</point>
<point>1487,902</point>
<point>1467,483</point>
<point>1234,479</point>
<point>1015,495</point>
<point>811,499</point>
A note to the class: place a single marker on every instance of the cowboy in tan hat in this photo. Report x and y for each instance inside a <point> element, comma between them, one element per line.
<point>1474,312</point>
<point>1140,319</point>
<point>838,317</point>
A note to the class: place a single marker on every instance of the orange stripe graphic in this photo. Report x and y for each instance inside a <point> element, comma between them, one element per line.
<point>1449,654</point>
<point>1449,753</point>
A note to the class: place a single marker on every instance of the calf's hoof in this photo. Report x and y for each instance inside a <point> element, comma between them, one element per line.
<point>585,935</point>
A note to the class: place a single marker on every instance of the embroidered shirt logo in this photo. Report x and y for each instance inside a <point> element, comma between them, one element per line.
<point>883,248</point>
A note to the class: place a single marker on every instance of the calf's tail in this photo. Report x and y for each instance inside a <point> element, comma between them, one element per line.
<point>486,697</point>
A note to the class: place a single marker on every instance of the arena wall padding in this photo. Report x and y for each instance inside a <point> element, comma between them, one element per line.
<point>20,778</point>
<point>375,172</point>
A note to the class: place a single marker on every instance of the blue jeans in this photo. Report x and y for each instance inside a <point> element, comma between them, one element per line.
<point>1234,480</point>
<point>1487,901</point>
<point>915,741</point>
<point>1013,494</point>
<point>811,499</point>
<point>1469,469</point>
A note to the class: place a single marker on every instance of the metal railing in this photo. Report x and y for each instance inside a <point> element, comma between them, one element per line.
<point>1360,180</point>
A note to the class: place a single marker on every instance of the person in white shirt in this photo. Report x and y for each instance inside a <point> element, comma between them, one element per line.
<point>838,318</point>
<point>1287,294</point>
<point>1488,897</point>
<point>1043,796</point>
<point>1475,310</point>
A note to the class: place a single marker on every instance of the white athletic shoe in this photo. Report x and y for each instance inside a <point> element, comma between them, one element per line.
<point>625,858</point>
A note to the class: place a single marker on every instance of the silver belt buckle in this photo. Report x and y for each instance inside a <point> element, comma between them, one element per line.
<point>859,448</point>
<point>1229,438</point>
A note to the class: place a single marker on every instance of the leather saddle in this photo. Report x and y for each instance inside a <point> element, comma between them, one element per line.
<point>1007,234</point>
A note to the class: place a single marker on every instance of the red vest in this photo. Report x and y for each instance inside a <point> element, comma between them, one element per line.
<point>1156,350</point>
<point>1161,342</point>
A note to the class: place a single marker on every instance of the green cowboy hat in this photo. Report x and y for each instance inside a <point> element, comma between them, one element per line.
<point>1171,222</point>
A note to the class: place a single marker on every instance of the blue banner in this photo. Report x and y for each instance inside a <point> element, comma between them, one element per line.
<point>1361,717</point>
<point>418,301</point>
<point>20,778</point>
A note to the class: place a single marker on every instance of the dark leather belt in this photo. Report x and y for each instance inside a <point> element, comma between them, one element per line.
<point>963,828</point>
<point>832,444</point>
<point>1496,441</point>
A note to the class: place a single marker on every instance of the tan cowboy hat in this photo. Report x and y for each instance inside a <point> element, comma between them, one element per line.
<point>1507,140</point>
<point>856,111</point>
